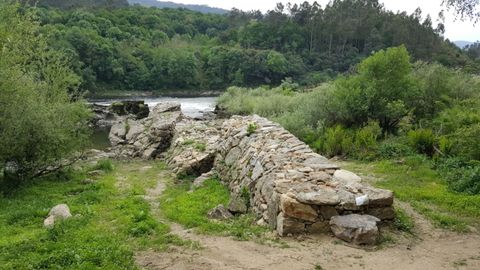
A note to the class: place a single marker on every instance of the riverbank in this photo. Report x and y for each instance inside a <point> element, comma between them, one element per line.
<point>123,94</point>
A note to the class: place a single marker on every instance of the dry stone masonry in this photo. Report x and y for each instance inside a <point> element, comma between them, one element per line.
<point>292,188</point>
<point>288,186</point>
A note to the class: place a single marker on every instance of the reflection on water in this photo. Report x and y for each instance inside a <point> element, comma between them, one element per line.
<point>193,107</point>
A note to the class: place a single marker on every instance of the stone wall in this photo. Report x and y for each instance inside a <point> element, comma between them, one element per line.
<point>292,188</point>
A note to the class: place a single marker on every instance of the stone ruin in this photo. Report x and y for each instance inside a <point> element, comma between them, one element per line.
<point>291,188</point>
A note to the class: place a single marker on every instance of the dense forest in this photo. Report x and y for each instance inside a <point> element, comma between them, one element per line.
<point>139,48</point>
<point>169,4</point>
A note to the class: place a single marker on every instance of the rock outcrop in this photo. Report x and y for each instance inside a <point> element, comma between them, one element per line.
<point>149,137</point>
<point>106,116</point>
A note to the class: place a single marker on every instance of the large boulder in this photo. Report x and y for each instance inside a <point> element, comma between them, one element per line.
<point>59,212</point>
<point>356,229</point>
<point>149,137</point>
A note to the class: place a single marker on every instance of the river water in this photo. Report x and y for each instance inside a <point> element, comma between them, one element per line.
<point>192,107</point>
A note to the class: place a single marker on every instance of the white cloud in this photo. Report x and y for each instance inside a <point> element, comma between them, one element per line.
<point>455,30</point>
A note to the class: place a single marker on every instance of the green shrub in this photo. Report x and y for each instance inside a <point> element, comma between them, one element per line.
<point>337,141</point>
<point>41,123</point>
<point>200,147</point>
<point>402,221</point>
<point>105,165</point>
<point>423,141</point>
<point>366,141</point>
<point>392,149</point>
<point>462,176</point>
<point>252,127</point>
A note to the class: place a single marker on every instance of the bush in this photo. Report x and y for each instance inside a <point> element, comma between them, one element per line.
<point>40,124</point>
<point>337,141</point>
<point>105,165</point>
<point>423,141</point>
<point>366,140</point>
<point>462,176</point>
<point>382,90</point>
<point>392,149</point>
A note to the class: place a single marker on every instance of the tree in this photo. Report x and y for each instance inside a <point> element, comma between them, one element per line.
<point>382,90</point>
<point>466,9</point>
<point>40,124</point>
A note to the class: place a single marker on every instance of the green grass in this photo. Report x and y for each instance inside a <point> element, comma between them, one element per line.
<point>403,222</point>
<point>110,221</point>
<point>190,209</point>
<point>415,182</point>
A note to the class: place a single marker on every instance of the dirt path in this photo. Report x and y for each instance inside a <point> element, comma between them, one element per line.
<point>431,249</point>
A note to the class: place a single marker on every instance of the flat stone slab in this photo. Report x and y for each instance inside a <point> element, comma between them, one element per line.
<point>356,229</point>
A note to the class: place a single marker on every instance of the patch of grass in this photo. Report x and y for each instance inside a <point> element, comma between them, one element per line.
<point>201,147</point>
<point>190,209</point>
<point>252,127</point>
<point>403,222</point>
<point>109,223</point>
<point>413,181</point>
<point>188,142</point>
<point>105,165</point>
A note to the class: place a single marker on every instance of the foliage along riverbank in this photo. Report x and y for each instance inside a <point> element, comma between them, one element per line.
<point>390,112</point>
<point>134,47</point>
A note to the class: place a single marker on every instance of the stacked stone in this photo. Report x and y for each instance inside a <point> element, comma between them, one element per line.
<point>194,147</point>
<point>292,188</point>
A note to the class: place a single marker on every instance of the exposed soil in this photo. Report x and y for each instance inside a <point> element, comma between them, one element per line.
<point>430,248</point>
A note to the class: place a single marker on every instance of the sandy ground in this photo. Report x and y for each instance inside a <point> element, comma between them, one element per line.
<point>430,248</point>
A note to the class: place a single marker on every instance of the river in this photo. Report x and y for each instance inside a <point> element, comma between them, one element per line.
<point>192,107</point>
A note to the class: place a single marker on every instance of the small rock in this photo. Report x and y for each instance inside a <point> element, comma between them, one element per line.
<point>237,205</point>
<point>383,213</point>
<point>346,177</point>
<point>356,229</point>
<point>59,212</point>
<point>379,197</point>
<point>49,222</point>
<point>261,222</point>
<point>220,213</point>
<point>328,212</point>
<point>319,227</point>
<point>288,226</point>
<point>198,182</point>
<point>322,197</point>
<point>293,208</point>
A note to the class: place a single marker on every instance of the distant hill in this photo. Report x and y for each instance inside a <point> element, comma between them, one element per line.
<point>69,4</point>
<point>462,43</point>
<point>167,4</point>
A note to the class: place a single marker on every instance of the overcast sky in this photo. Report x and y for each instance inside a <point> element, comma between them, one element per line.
<point>455,30</point>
